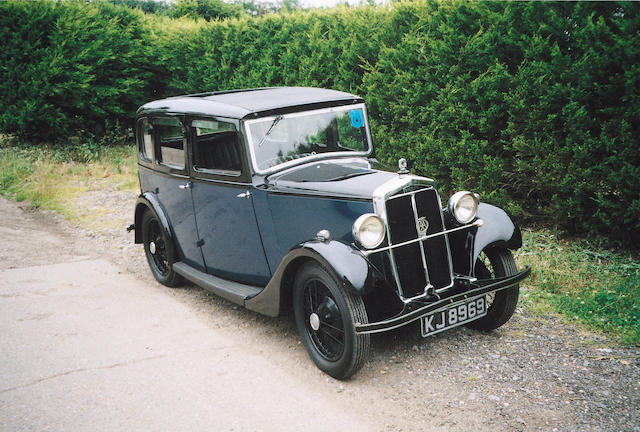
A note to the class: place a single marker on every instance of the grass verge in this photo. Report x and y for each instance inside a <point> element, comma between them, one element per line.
<point>596,287</point>
<point>593,286</point>
<point>53,177</point>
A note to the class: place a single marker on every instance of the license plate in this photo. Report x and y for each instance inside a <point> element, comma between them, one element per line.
<point>453,316</point>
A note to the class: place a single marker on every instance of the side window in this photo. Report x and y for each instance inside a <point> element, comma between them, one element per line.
<point>145,144</point>
<point>216,147</point>
<point>170,138</point>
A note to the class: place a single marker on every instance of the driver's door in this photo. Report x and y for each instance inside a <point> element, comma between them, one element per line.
<point>229,236</point>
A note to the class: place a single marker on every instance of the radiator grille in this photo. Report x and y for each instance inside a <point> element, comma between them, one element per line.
<point>422,263</point>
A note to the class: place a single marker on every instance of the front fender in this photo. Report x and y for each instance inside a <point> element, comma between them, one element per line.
<point>497,229</point>
<point>342,260</point>
<point>149,201</point>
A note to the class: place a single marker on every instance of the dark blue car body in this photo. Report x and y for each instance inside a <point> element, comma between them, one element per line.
<point>245,233</point>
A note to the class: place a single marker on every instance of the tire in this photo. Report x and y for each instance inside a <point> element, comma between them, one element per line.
<point>495,263</point>
<point>325,314</point>
<point>160,251</point>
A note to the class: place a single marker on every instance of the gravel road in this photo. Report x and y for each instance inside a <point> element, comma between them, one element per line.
<point>534,373</point>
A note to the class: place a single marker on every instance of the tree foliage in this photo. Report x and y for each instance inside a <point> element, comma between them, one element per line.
<point>535,106</point>
<point>147,6</point>
<point>207,9</point>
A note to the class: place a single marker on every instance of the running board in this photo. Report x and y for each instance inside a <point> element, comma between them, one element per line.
<point>233,291</point>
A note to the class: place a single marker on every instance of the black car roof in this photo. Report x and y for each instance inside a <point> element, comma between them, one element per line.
<point>257,102</point>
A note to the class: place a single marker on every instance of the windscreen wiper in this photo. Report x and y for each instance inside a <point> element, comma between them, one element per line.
<point>273,124</point>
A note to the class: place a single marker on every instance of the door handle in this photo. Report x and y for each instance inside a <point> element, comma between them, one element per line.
<point>246,194</point>
<point>187,185</point>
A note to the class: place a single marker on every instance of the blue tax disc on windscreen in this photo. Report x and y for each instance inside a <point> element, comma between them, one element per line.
<point>357,121</point>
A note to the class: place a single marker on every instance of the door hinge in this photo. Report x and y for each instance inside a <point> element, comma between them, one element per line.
<point>200,242</point>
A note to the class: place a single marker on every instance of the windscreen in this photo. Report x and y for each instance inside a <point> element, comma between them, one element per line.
<point>284,138</point>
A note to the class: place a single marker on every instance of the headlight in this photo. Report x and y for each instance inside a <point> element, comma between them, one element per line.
<point>368,230</point>
<point>463,206</point>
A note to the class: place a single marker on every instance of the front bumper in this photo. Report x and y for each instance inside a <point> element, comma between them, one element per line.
<point>415,310</point>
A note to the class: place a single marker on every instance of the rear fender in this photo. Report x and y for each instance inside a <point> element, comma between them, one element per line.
<point>149,201</point>
<point>342,260</point>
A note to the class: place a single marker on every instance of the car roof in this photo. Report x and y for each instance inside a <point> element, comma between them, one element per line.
<point>256,102</point>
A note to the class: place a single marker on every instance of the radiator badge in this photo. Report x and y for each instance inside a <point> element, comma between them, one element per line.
<point>423,226</point>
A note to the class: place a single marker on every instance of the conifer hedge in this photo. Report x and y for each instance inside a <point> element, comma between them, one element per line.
<point>536,106</point>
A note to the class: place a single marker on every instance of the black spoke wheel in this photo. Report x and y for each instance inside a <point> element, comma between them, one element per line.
<point>325,314</point>
<point>159,250</point>
<point>495,263</point>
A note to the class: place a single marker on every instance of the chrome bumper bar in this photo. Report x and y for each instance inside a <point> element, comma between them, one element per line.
<point>415,310</point>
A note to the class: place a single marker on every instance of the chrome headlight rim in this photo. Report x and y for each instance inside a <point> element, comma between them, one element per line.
<point>361,224</point>
<point>463,215</point>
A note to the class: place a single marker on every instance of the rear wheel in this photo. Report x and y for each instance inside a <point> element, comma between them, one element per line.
<point>495,263</point>
<point>325,314</point>
<point>160,251</point>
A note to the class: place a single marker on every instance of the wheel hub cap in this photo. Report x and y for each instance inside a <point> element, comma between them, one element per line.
<point>314,320</point>
<point>152,248</point>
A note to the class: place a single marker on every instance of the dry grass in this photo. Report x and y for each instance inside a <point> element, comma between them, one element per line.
<point>54,178</point>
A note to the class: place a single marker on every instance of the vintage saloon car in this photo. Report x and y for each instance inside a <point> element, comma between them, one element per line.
<point>270,198</point>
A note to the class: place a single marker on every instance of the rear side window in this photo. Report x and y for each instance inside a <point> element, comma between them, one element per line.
<point>216,147</point>
<point>170,136</point>
<point>145,143</point>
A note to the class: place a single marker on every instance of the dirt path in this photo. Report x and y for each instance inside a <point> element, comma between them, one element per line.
<point>80,356</point>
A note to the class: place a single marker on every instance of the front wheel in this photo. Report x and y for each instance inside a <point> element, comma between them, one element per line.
<point>496,263</point>
<point>325,314</point>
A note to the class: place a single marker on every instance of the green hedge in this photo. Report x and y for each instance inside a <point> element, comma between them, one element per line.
<point>68,68</point>
<point>534,105</point>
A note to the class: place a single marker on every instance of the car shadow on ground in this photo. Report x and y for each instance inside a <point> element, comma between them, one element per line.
<point>283,333</point>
